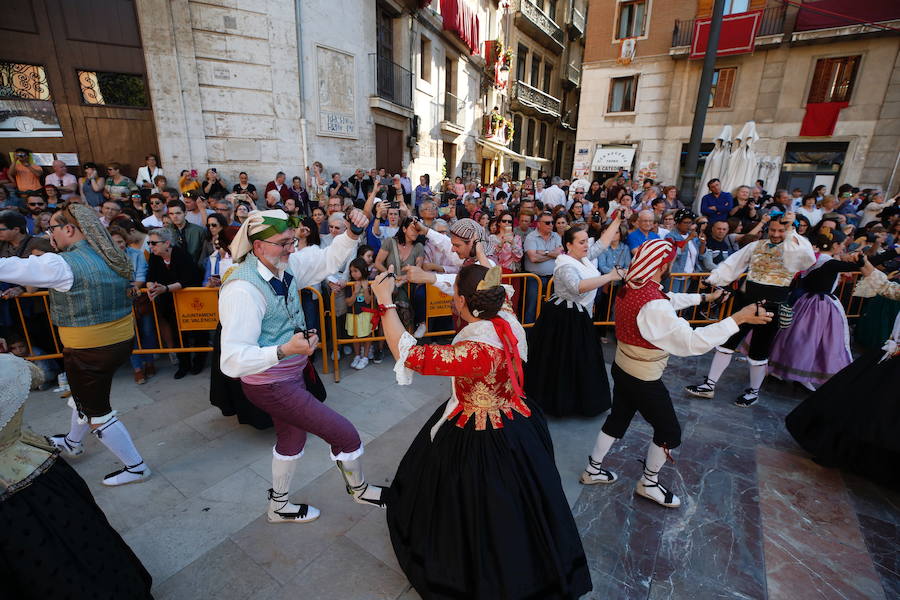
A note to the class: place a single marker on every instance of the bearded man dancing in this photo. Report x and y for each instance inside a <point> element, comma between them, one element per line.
<point>89,282</point>
<point>770,265</point>
<point>648,329</point>
<point>265,344</point>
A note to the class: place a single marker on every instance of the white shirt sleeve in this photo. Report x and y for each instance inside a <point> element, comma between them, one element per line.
<point>445,282</point>
<point>680,301</point>
<point>241,310</point>
<point>798,252</point>
<point>443,249</point>
<point>733,266</point>
<point>596,249</point>
<point>48,270</point>
<point>660,326</point>
<point>312,264</point>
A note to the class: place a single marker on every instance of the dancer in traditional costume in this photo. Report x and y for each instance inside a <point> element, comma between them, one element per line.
<point>89,283</point>
<point>817,344</point>
<point>265,343</point>
<point>770,265</point>
<point>564,333</point>
<point>476,509</point>
<point>851,421</point>
<point>56,542</point>
<point>648,330</point>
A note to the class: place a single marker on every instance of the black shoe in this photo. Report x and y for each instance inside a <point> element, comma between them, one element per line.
<point>379,356</point>
<point>180,373</point>
<point>748,398</point>
<point>197,369</point>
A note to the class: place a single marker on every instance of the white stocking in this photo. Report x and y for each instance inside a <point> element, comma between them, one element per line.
<point>758,374</point>
<point>601,446</point>
<point>77,430</point>
<point>720,362</point>
<point>656,458</point>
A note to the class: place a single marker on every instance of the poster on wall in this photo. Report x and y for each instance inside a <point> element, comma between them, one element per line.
<point>581,165</point>
<point>336,92</point>
<point>471,171</point>
<point>28,118</point>
<point>647,170</point>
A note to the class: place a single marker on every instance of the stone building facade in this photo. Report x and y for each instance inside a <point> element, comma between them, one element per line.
<point>644,100</point>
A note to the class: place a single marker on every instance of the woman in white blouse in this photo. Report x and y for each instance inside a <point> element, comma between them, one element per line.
<point>565,372</point>
<point>148,172</point>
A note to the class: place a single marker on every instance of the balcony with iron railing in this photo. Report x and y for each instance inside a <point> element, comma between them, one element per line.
<point>392,82</point>
<point>577,24</point>
<point>533,100</point>
<point>772,23</point>
<point>453,113</point>
<point>535,22</point>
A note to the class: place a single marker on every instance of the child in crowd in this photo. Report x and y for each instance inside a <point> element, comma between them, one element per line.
<point>359,320</point>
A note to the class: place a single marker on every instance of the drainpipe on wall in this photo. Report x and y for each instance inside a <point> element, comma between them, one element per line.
<point>299,27</point>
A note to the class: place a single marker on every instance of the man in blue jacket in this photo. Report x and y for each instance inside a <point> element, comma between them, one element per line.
<point>716,205</point>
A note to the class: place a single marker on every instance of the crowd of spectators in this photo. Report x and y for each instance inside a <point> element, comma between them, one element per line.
<point>177,231</point>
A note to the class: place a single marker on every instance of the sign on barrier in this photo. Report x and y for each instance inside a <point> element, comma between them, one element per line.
<point>437,303</point>
<point>197,308</point>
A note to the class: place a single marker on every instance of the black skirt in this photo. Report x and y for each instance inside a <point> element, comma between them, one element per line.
<point>227,394</point>
<point>482,514</point>
<point>57,543</point>
<point>853,419</point>
<point>565,372</point>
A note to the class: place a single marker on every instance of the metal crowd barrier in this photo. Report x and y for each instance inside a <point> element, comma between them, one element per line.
<point>196,309</point>
<point>437,305</point>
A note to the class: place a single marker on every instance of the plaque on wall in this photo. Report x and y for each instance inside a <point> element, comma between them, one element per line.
<point>336,87</point>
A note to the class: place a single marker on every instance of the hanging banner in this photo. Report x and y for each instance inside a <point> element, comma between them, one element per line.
<point>738,34</point>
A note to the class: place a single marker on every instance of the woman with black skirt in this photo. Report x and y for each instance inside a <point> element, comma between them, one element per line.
<point>564,334</point>
<point>860,435</point>
<point>476,509</point>
<point>55,541</point>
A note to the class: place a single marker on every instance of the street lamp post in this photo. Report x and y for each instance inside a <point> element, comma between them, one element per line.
<point>689,180</point>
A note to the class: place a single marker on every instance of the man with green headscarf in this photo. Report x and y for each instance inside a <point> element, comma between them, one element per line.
<point>266,345</point>
<point>89,281</point>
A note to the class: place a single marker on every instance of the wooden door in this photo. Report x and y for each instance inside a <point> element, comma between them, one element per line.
<point>388,149</point>
<point>85,48</point>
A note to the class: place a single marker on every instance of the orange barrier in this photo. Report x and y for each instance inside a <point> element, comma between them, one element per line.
<point>196,309</point>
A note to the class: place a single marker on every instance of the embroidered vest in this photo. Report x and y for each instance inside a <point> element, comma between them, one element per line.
<point>628,305</point>
<point>98,294</point>
<point>282,315</point>
<point>767,265</point>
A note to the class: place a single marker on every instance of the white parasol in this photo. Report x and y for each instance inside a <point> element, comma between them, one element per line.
<point>743,163</point>
<point>716,163</point>
<point>769,170</point>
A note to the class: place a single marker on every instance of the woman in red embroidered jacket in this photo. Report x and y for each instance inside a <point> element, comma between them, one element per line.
<point>476,509</point>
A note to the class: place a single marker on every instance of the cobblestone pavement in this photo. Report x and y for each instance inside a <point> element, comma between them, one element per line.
<point>758,518</point>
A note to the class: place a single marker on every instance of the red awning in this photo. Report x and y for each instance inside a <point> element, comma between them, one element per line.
<point>463,21</point>
<point>737,37</point>
<point>821,117</point>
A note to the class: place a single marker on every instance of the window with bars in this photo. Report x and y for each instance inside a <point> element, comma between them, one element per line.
<point>632,19</point>
<point>23,82</point>
<point>622,94</point>
<point>833,79</point>
<point>113,89</point>
<point>720,95</point>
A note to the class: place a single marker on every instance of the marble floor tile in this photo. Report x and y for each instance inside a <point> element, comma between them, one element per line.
<point>813,544</point>
<point>883,543</point>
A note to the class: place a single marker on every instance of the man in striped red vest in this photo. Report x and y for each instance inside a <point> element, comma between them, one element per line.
<point>648,329</point>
